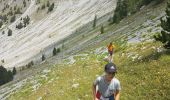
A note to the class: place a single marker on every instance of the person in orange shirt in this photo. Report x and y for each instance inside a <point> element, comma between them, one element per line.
<point>111,48</point>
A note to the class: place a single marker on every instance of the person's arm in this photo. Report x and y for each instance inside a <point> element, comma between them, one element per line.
<point>95,83</point>
<point>117,95</point>
<point>94,92</point>
<point>118,89</point>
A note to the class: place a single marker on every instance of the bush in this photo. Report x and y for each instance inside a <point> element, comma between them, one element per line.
<point>43,6</point>
<point>54,51</point>
<point>164,36</point>
<point>9,32</point>
<point>30,64</point>
<point>102,29</point>
<point>1,23</point>
<point>43,57</point>
<point>26,20</point>
<point>24,3</point>
<point>58,50</point>
<point>18,11</point>
<point>12,19</point>
<point>51,7</point>
<point>48,4</point>
<point>19,26</point>
<point>5,76</point>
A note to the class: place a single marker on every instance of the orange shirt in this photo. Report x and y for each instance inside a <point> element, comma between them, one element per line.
<point>111,47</point>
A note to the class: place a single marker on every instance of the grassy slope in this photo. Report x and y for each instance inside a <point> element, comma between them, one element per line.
<point>143,77</point>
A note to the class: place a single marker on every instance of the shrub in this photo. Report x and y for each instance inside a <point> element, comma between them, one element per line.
<point>30,64</point>
<point>24,3</point>
<point>19,26</point>
<point>58,50</point>
<point>26,20</point>
<point>102,29</point>
<point>9,32</point>
<point>5,76</point>
<point>1,23</point>
<point>43,57</point>
<point>13,18</point>
<point>43,6</point>
<point>14,71</point>
<point>48,4</point>
<point>54,51</point>
<point>18,11</point>
<point>164,36</point>
<point>51,7</point>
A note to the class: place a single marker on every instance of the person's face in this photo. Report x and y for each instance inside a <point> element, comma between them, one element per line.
<point>109,76</point>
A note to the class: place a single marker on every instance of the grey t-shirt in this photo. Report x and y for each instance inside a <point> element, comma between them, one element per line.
<point>107,89</point>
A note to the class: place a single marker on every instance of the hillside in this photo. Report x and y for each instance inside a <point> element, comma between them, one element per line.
<point>45,30</point>
<point>143,64</point>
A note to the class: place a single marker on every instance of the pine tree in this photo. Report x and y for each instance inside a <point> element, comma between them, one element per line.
<point>43,57</point>
<point>14,71</point>
<point>94,22</point>
<point>48,4</point>
<point>120,11</point>
<point>54,51</point>
<point>102,29</point>
<point>1,23</point>
<point>164,36</point>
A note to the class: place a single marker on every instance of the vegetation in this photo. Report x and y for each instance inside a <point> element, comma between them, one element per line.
<point>18,11</point>
<point>94,22</point>
<point>14,71</point>
<point>125,7</point>
<point>19,26</point>
<point>5,76</point>
<point>26,20</point>
<point>102,29</point>
<point>30,64</point>
<point>9,32</point>
<point>13,18</point>
<point>140,78</point>
<point>1,23</point>
<point>43,6</point>
<point>164,36</point>
<point>24,3</point>
<point>120,11</point>
<point>48,4</point>
<point>51,7</point>
<point>43,57</point>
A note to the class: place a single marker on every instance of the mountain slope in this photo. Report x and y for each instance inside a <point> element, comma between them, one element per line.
<point>29,43</point>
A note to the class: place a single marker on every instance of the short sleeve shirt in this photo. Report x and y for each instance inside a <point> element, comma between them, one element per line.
<point>107,89</point>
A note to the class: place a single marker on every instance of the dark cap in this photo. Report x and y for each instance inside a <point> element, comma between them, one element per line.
<point>110,68</point>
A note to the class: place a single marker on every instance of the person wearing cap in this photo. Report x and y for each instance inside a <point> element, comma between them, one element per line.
<point>107,87</point>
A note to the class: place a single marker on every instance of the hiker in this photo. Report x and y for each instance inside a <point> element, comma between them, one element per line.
<point>107,87</point>
<point>111,48</point>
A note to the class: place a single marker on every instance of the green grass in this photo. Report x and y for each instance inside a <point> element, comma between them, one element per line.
<point>141,79</point>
